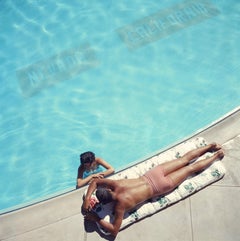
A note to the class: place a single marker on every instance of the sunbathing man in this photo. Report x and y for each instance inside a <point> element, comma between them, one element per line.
<point>128,193</point>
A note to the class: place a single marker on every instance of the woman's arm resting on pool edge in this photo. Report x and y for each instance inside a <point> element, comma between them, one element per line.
<point>109,168</point>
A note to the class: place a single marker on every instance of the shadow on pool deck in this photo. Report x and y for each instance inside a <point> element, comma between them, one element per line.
<point>209,215</point>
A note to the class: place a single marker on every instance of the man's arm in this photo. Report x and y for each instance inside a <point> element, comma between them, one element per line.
<point>112,228</point>
<point>86,203</point>
<point>92,187</point>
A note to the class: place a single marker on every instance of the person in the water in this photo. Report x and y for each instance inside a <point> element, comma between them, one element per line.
<point>92,167</point>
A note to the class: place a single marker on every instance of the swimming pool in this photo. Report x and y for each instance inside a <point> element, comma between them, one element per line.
<point>122,79</point>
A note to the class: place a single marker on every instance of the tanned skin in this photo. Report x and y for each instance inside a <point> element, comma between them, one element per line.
<point>128,193</point>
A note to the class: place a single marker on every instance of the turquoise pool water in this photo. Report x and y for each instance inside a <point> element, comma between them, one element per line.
<point>120,78</point>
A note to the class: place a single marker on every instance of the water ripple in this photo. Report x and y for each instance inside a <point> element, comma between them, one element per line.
<point>128,106</point>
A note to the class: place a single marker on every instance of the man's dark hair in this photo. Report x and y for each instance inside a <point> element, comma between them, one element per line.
<point>87,157</point>
<point>103,195</point>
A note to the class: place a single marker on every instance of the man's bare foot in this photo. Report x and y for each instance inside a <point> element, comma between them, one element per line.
<point>219,154</point>
<point>215,147</point>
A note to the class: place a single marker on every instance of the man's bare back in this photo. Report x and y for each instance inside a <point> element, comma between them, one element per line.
<point>131,192</point>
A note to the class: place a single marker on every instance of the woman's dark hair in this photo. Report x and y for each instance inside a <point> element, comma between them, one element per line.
<point>103,195</point>
<point>87,157</point>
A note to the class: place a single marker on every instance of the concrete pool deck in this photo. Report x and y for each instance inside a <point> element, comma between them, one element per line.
<point>211,214</point>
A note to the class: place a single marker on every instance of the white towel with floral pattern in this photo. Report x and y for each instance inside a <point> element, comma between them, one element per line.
<point>213,173</point>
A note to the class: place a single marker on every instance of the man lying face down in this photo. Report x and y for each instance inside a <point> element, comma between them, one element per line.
<point>128,193</point>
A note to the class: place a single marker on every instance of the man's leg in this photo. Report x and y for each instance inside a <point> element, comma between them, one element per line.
<point>172,166</point>
<point>181,174</point>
